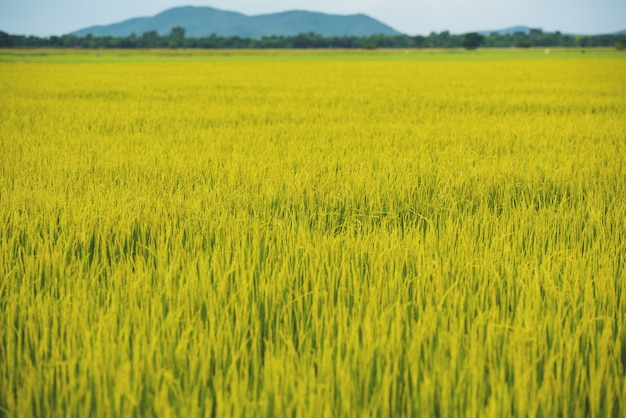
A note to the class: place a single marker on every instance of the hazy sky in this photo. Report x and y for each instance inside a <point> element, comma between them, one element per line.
<point>57,17</point>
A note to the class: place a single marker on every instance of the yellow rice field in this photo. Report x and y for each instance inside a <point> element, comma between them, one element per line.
<point>313,234</point>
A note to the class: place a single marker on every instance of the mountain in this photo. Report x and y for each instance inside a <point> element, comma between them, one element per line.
<point>526,30</point>
<point>507,31</point>
<point>204,21</point>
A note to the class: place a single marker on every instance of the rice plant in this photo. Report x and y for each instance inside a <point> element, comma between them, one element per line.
<point>350,234</point>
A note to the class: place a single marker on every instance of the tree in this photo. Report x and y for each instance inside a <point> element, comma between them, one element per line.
<point>69,41</point>
<point>472,40</point>
<point>524,43</point>
<point>177,37</point>
<point>583,41</point>
<point>150,39</point>
<point>419,41</point>
<point>5,40</point>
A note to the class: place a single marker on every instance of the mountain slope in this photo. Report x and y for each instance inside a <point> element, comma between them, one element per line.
<point>526,30</point>
<point>507,31</point>
<point>204,21</point>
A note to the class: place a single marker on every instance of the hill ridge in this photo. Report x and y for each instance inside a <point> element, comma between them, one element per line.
<point>201,21</point>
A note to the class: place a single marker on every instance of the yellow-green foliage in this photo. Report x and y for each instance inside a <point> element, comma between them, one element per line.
<point>316,235</point>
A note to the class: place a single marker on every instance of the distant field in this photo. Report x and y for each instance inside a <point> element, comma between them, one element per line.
<point>211,55</point>
<point>312,233</point>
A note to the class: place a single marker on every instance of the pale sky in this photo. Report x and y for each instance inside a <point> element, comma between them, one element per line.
<point>58,17</point>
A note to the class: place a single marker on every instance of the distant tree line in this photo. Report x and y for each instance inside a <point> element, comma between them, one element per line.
<point>177,39</point>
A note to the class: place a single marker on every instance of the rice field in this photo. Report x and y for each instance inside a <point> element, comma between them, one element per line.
<point>312,234</point>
